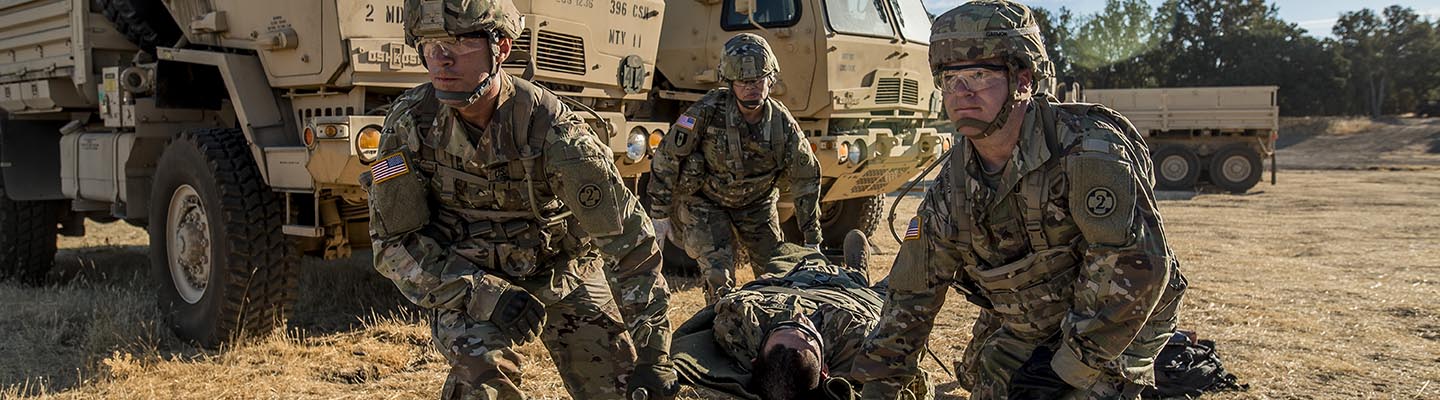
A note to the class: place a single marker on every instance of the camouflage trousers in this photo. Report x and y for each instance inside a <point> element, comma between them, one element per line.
<point>583,332</point>
<point>710,233</point>
<point>994,354</point>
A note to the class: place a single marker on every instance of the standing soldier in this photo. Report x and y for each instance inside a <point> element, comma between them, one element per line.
<point>722,163</point>
<point>1044,216</point>
<point>498,209</point>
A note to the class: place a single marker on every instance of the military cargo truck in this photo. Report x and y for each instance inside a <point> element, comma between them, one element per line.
<point>234,130</point>
<point>1215,134</point>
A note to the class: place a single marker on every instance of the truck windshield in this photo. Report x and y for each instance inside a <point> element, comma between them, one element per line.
<point>914,21</point>
<point>860,17</point>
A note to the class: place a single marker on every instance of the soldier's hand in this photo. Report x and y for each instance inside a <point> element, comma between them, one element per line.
<point>519,314</point>
<point>662,229</point>
<point>1036,379</point>
<point>653,382</point>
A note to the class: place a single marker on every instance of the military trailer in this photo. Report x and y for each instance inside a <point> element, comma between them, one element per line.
<point>1215,134</point>
<point>234,131</point>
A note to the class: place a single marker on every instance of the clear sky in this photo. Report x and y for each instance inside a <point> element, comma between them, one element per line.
<point>1316,16</point>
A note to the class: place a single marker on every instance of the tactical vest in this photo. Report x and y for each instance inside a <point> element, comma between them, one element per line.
<point>497,208</point>
<point>719,167</point>
<point>1033,294</point>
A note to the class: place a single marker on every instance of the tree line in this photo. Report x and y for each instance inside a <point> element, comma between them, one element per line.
<point>1379,62</point>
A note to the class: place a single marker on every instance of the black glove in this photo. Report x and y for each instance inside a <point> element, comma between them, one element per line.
<point>653,382</point>
<point>519,314</point>
<point>1036,380</point>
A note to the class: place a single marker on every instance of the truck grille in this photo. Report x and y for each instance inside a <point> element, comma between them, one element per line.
<point>523,43</point>
<point>560,52</point>
<point>896,90</point>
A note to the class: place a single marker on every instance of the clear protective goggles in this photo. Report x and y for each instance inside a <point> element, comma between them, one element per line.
<point>451,47</point>
<point>804,326</point>
<point>755,83</point>
<point>972,78</point>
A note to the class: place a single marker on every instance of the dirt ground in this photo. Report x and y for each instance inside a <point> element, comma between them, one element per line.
<point>1321,287</point>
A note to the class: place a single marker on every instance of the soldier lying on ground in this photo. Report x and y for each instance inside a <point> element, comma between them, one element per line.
<point>786,335</point>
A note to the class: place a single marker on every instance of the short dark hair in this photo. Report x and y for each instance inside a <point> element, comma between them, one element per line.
<point>785,373</point>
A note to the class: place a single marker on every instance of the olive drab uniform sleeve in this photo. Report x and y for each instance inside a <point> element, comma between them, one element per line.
<point>582,172</point>
<point>671,170</point>
<point>924,271</point>
<point>1127,264</point>
<point>803,173</point>
<point>408,249</point>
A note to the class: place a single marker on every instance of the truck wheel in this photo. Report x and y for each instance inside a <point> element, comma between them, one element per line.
<point>222,267</point>
<point>27,239</point>
<point>145,22</point>
<point>1176,168</point>
<point>1236,168</point>
<point>861,213</point>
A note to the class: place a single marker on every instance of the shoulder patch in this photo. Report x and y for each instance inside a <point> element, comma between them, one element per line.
<point>389,168</point>
<point>1102,197</point>
<point>686,121</point>
<point>913,232</point>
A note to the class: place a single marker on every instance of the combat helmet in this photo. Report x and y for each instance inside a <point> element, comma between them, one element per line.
<point>449,19</point>
<point>747,56</point>
<point>984,29</point>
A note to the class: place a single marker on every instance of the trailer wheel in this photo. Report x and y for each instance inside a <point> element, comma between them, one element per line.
<point>1236,168</point>
<point>1176,168</point>
<point>145,22</point>
<point>27,238</point>
<point>221,265</point>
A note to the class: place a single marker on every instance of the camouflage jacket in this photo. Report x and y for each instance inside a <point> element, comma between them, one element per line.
<point>839,303</point>
<point>453,218</point>
<point>711,153</point>
<point>1069,245</point>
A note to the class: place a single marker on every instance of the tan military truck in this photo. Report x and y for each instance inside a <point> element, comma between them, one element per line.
<point>234,130</point>
<point>1215,134</point>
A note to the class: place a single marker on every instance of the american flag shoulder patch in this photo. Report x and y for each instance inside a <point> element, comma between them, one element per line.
<point>687,122</point>
<point>389,168</point>
<point>913,232</point>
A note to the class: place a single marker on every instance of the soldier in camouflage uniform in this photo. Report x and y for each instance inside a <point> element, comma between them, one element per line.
<point>799,329</point>
<point>718,170</point>
<point>1045,217</point>
<point>499,210</point>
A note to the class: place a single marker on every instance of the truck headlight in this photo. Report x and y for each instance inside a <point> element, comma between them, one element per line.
<point>856,152</point>
<point>637,146</point>
<point>367,144</point>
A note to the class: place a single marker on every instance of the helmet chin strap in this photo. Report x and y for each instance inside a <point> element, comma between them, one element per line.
<point>751,105</point>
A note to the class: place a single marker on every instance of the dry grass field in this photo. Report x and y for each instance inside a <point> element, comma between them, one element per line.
<point>1322,287</point>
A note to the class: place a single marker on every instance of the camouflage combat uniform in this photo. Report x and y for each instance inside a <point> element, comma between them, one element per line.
<point>1064,248</point>
<point>532,200</point>
<point>722,173</point>
<point>839,301</point>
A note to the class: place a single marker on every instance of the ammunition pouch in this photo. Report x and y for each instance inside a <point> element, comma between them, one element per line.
<point>516,248</point>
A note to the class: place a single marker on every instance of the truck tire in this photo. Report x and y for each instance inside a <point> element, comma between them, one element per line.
<point>1236,168</point>
<point>145,22</point>
<point>1176,168</point>
<point>861,213</point>
<point>27,239</point>
<point>221,265</point>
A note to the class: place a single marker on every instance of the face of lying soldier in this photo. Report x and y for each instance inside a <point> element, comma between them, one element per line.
<point>791,364</point>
